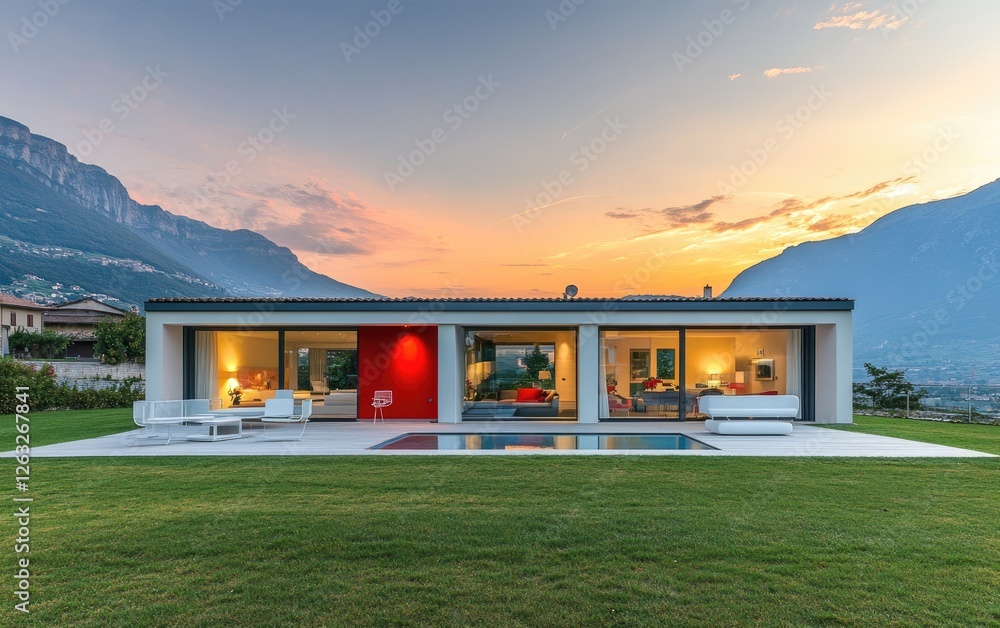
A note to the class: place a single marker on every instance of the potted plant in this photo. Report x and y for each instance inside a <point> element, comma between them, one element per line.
<point>236,393</point>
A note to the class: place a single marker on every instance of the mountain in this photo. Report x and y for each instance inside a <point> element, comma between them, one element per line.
<point>70,223</point>
<point>925,279</point>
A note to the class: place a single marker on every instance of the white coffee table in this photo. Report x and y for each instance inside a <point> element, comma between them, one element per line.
<point>219,428</point>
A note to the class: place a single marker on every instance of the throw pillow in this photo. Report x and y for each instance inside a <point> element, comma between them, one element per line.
<point>527,394</point>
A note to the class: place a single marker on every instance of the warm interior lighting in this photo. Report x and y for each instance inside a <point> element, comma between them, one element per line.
<point>544,375</point>
<point>714,380</point>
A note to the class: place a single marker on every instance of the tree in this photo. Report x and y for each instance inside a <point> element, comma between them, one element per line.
<point>889,389</point>
<point>121,340</point>
<point>342,370</point>
<point>536,361</point>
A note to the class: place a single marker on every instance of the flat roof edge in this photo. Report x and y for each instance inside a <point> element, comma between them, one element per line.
<point>569,305</point>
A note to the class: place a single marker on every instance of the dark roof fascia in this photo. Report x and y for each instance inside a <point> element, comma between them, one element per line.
<point>574,305</point>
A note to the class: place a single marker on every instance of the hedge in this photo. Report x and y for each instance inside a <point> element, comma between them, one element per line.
<point>45,393</point>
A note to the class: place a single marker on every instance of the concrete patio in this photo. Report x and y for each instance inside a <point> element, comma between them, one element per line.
<point>331,439</point>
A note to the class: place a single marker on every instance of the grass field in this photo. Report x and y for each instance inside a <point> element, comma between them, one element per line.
<point>60,426</point>
<point>968,436</point>
<point>511,540</point>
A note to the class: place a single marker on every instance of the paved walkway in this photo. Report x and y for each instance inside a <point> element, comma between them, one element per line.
<point>331,439</point>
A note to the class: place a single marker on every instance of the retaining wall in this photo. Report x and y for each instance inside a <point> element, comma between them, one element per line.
<point>93,374</point>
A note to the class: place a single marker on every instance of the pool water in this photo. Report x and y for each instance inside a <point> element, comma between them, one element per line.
<point>524,441</point>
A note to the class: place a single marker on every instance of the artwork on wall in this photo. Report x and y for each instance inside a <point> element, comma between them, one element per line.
<point>257,377</point>
<point>764,370</point>
<point>665,367</point>
<point>639,364</point>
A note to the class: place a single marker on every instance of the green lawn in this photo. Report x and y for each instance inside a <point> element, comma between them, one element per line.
<point>509,540</point>
<point>60,426</point>
<point>984,438</point>
<point>512,541</point>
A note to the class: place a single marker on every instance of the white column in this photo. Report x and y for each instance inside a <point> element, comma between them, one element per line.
<point>834,353</point>
<point>588,365</point>
<point>845,371</point>
<point>451,383</point>
<point>154,358</point>
<point>164,360</point>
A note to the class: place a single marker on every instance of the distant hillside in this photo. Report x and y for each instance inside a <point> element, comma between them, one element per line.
<point>49,198</point>
<point>925,279</point>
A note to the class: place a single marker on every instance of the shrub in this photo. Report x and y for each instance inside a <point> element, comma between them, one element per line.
<point>38,344</point>
<point>45,393</point>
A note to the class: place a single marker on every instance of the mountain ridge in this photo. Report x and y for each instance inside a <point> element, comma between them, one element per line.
<point>924,278</point>
<point>239,262</point>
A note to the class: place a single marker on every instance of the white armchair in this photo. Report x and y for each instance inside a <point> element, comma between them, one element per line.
<point>290,419</point>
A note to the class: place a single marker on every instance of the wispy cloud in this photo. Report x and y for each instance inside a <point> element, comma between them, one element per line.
<point>733,77</point>
<point>773,72</point>
<point>670,217</point>
<point>309,217</point>
<point>852,16</point>
<point>804,213</point>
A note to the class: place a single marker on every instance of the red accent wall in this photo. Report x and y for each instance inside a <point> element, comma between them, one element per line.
<point>403,360</point>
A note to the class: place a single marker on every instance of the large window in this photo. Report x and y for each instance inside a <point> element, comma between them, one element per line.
<point>246,368</point>
<point>640,373</point>
<point>321,361</point>
<point>665,373</point>
<point>520,374</point>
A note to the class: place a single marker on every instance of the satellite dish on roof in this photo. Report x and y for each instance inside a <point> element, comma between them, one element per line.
<point>571,291</point>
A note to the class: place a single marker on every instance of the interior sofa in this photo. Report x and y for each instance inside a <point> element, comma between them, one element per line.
<point>530,402</point>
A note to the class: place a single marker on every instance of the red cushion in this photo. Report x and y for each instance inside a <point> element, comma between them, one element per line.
<point>528,394</point>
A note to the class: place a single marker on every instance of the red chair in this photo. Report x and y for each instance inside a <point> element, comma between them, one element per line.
<point>617,402</point>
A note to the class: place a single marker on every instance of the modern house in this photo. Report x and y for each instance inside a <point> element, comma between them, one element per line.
<point>454,360</point>
<point>78,319</point>
<point>17,313</point>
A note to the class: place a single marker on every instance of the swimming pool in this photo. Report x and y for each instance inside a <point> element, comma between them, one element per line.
<point>527,441</point>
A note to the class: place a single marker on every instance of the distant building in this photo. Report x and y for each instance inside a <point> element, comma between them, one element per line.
<point>16,313</point>
<point>79,319</point>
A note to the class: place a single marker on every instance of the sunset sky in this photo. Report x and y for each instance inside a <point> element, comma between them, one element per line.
<point>414,147</point>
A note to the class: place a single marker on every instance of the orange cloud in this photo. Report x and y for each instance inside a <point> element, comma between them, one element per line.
<point>773,72</point>
<point>849,16</point>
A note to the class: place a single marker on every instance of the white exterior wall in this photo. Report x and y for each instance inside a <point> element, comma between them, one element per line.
<point>164,347</point>
<point>588,365</point>
<point>451,373</point>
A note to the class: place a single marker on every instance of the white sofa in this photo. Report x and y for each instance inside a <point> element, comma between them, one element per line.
<point>750,414</point>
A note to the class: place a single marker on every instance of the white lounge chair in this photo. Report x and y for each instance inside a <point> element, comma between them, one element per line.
<point>161,420</point>
<point>281,414</point>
